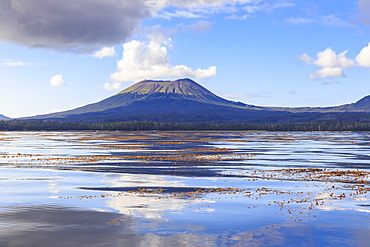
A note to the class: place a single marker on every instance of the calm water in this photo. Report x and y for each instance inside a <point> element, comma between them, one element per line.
<point>184,189</point>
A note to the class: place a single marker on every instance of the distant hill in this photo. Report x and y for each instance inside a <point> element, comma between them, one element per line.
<point>2,117</point>
<point>185,101</point>
<point>363,105</point>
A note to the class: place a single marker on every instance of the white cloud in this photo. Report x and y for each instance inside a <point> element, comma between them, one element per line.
<point>159,34</point>
<point>253,8</point>
<point>267,7</point>
<point>299,20</point>
<point>179,14</point>
<point>239,17</point>
<point>105,52</point>
<point>363,58</point>
<point>144,60</point>
<point>333,65</point>
<point>307,59</point>
<point>11,63</point>
<point>329,58</point>
<point>57,81</point>
<point>112,86</point>
<point>200,26</point>
<point>333,20</point>
<point>329,20</point>
<point>157,5</point>
<point>327,72</point>
<point>203,8</point>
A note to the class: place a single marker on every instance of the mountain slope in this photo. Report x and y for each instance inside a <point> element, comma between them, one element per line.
<point>160,92</point>
<point>186,101</point>
<point>363,105</point>
<point>2,117</point>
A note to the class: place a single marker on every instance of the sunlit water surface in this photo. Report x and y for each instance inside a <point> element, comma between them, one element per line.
<point>184,189</point>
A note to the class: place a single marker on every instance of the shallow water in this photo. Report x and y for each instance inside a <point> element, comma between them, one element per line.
<point>184,189</point>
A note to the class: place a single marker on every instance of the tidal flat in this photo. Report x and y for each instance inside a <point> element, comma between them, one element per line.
<point>184,188</point>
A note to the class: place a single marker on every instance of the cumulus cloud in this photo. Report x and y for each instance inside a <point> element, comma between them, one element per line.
<point>329,58</point>
<point>105,52</point>
<point>112,86</point>
<point>57,81</point>
<point>363,58</point>
<point>326,73</point>
<point>332,64</point>
<point>150,59</point>
<point>67,24</point>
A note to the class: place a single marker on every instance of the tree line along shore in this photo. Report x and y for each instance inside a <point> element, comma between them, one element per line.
<point>42,125</point>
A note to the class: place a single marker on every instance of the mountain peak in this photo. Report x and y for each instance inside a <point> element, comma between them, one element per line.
<point>184,86</point>
<point>178,80</point>
<point>181,89</point>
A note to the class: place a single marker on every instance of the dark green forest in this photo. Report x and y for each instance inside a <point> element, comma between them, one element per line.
<point>42,125</point>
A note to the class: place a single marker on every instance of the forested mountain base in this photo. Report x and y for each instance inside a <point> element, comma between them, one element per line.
<point>41,125</point>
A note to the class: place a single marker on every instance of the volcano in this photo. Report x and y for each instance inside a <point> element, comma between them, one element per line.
<point>185,101</point>
<point>158,95</point>
<point>181,100</point>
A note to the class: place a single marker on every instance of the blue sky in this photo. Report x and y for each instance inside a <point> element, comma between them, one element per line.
<point>59,55</point>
